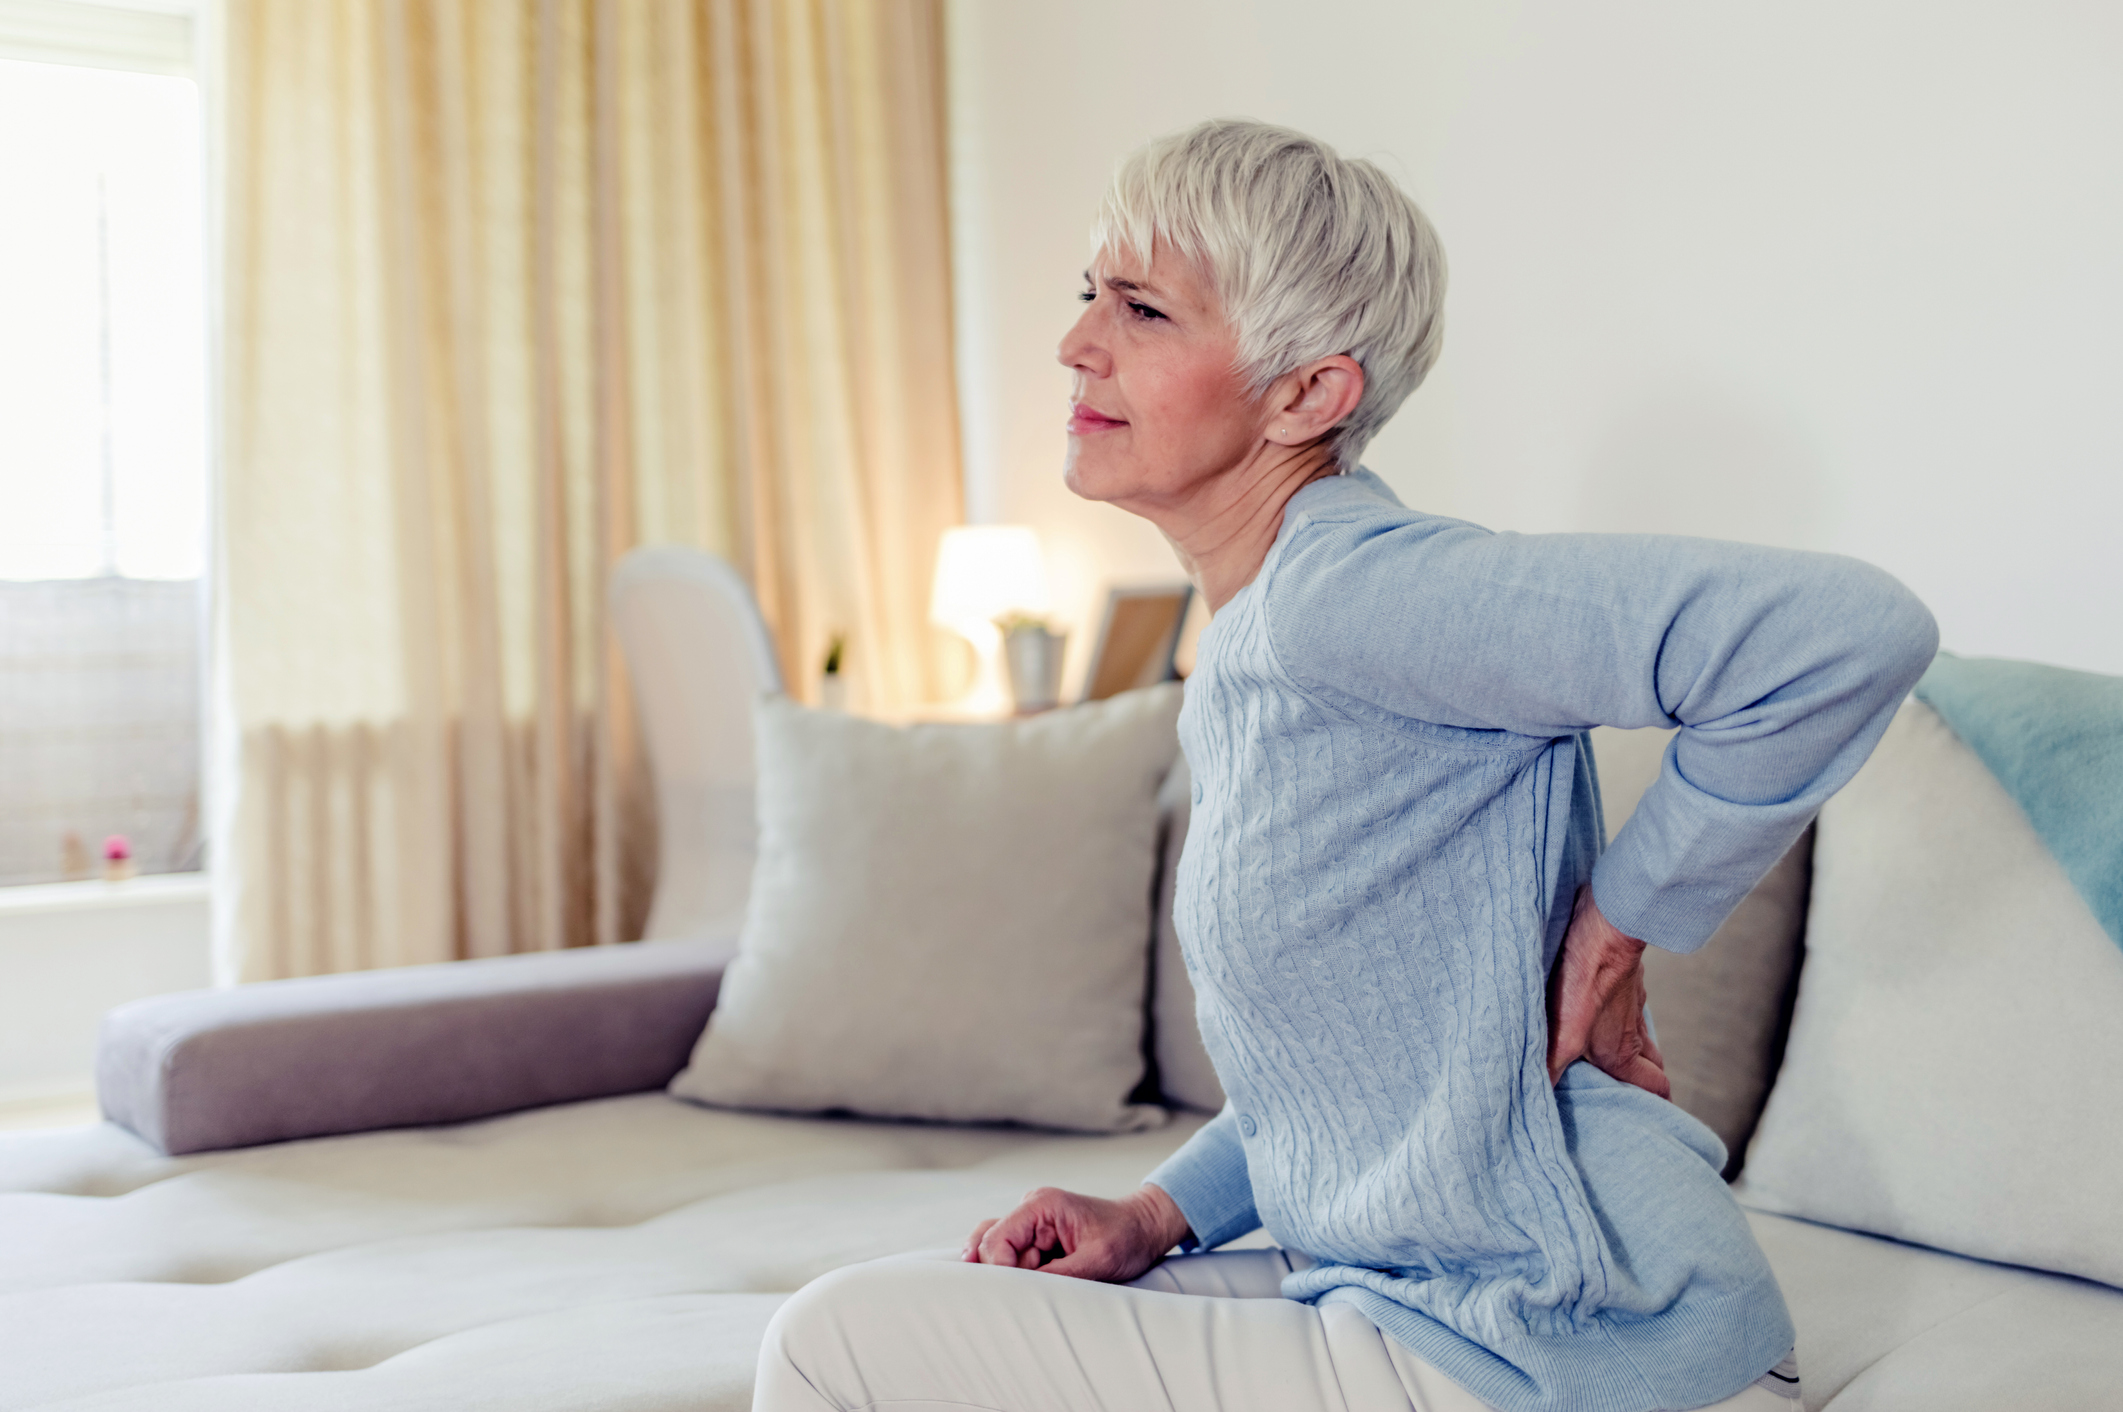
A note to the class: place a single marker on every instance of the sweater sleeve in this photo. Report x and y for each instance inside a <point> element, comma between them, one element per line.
<point>1208,1181</point>
<point>1781,668</point>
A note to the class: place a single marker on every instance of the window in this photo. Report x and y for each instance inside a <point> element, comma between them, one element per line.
<point>102,443</point>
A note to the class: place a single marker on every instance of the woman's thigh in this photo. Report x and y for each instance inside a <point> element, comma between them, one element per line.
<point>916,1333</point>
<point>1225,1274</point>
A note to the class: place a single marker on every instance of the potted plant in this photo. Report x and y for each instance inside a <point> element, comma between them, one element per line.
<point>1032,654</point>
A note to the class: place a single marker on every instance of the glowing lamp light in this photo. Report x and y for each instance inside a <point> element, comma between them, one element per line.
<point>983,572</point>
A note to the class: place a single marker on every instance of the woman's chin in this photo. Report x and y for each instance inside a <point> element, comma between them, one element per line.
<point>1081,484</point>
<point>1089,478</point>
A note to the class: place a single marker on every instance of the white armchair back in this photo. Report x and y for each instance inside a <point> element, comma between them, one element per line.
<point>699,656</point>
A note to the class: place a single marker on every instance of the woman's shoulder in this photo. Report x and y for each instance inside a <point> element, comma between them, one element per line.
<point>1351,573</point>
<point>1343,534</point>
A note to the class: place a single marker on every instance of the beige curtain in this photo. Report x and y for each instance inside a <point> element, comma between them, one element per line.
<point>512,286</point>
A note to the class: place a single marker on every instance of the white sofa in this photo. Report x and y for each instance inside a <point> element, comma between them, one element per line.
<point>624,1252</point>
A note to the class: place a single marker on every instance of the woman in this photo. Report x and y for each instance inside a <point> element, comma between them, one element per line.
<point>1395,835</point>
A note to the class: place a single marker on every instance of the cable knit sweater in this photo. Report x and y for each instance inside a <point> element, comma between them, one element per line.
<point>1394,806</point>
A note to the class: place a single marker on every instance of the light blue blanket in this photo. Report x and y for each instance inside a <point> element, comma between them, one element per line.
<point>2054,739</point>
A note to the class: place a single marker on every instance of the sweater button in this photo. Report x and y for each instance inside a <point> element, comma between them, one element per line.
<point>1197,791</point>
<point>1246,1124</point>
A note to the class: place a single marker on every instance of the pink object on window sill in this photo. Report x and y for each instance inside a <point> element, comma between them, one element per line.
<point>117,858</point>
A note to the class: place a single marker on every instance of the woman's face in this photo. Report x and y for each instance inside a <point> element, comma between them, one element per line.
<point>1157,404</point>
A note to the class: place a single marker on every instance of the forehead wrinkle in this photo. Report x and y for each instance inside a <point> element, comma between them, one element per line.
<point>1127,286</point>
<point>1202,301</point>
<point>1119,281</point>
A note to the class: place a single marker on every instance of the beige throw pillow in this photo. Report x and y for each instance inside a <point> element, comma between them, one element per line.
<point>1185,1076</point>
<point>1720,1011</point>
<point>947,922</point>
<point>1952,1077</point>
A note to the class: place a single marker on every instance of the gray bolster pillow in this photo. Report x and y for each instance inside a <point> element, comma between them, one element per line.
<point>210,1069</point>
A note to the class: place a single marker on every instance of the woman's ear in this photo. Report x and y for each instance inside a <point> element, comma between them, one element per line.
<point>1314,399</point>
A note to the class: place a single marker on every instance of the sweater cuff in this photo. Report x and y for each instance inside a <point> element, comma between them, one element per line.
<point>1672,916</point>
<point>1207,1180</point>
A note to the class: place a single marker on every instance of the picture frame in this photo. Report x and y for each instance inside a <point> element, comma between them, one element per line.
<point>1138,638</point>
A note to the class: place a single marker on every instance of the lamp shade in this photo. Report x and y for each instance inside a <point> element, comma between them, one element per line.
<point>984,571</point>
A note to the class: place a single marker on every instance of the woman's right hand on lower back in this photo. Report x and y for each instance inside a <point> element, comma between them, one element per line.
<point>1087,1237</point>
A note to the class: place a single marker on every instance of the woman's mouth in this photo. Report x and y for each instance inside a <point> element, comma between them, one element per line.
<point>1082,420</point>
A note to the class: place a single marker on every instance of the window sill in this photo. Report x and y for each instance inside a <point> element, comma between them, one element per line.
<point>95,896</point>
<point>39,1110</point>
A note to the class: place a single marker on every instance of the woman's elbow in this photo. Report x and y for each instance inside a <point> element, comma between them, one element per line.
<point>1892,631</point>
<point>1920,641</point>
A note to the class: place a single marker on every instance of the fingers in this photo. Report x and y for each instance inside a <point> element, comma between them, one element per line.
<point>1638,1064</point>
<point>1596,1002</point>
<point>972,1249</point>
<point>1004,1242</point>
<point>1645,1075</point>
<point>1621,1046</point>
<point>1651,1051</point>
<point>1060,1233</point>
<point>1566,1040</point>
<point>1566,1045</point>
<point>1084,1264</point>
<point>1577,986</point>
<point>1570,1031</point>
<point>1025,1236</point>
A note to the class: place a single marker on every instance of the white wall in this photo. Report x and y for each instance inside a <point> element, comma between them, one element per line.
<point>71,951</point>
<point>1823,275</point>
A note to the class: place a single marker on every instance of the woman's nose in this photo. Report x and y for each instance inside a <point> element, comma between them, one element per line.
<point>1080,349</point>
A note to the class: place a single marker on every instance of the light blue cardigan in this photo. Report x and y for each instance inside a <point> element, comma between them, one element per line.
<point>1394,806</point>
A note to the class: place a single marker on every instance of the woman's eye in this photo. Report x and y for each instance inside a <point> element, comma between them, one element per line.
<point>1087,295</point>
<point>1144,311</point>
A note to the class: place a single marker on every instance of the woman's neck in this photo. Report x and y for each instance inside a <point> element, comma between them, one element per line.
<point>1223,527</point>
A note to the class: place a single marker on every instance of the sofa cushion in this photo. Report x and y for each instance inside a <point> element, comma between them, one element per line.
<point>1720,1012</point>
<point>624,1255</point>
<point>1186,1077</point>
<point>1952,1074</point>
<point>947,921</point>
<point>621,1254</point>
<point>1887,1327</point>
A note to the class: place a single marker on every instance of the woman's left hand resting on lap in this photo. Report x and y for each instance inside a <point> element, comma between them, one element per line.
<point>1063,1233</point>
<point>1596,1003</point>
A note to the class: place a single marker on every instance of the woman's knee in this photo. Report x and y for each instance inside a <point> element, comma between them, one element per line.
<point>822,1307</point>
<point>805,1365</point>
<point>830,1330</point>
<point>914,1329</point>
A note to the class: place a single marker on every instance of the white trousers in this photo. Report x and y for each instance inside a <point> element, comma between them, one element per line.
<point>1199,1333</point>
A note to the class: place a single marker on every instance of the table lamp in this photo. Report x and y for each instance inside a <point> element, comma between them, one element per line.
<point>983,572</point>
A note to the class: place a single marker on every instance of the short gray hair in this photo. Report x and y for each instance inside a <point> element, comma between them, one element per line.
<point>1312,255</point>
